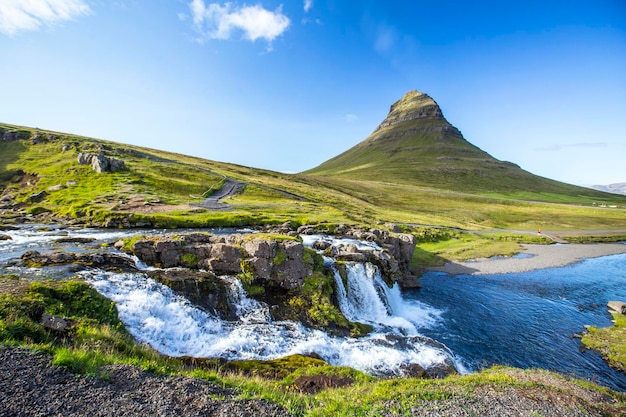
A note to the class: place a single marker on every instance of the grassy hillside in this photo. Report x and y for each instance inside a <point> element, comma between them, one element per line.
<point>162,189</point>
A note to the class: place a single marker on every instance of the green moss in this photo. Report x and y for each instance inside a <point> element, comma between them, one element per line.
<point>129,242</point>
<point>280,257</point>
<point>189,260</point>
<point>609,341</point>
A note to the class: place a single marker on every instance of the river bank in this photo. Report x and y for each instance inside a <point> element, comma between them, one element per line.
<point>533,257</point>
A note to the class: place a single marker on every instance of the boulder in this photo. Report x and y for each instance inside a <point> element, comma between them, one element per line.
<point>36,198</point>
<point>617,307</point>
<point>100,164</point>
<point>84,158</point>
<point>290,272</point>
<point>201,288</point>
<point>56,323</point>
<point>5,237</point>
<point>168,253</point>
<point>57,187</point>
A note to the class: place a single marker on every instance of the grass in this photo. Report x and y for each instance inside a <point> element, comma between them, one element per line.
<point>160,189</point>
<point>609,341</point>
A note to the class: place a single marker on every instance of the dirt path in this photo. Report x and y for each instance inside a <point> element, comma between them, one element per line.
<point>230,188</point>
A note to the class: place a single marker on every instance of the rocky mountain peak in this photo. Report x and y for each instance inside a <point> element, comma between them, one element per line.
<point>414,105</point>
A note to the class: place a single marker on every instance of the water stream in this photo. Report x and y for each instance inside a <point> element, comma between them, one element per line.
<point>524,320</point>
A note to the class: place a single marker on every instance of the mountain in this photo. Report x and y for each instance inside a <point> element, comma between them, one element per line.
<point>617,188</point>
<point>416,145</point>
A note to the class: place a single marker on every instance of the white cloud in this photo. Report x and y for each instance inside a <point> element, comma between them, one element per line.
<point>350,117</point>
<point>308,5</point>
<point>215,21</point>
<point>23,15</point>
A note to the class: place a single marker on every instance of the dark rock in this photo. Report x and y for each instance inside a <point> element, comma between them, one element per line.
<point>104,260</point>
<point>5,237</point>
<point>36,198</point>
<point>56,323</point>
<point>201,288</point>
<point>168,252</point>
<point>75,240</point>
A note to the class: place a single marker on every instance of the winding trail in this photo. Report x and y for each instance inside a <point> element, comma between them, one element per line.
<point>230,188</point>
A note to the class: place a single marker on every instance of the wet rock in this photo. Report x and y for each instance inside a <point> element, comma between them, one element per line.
<point>5,237</point>
<point>104,260</point>
<point>201,288</point>
<point>75,240</point>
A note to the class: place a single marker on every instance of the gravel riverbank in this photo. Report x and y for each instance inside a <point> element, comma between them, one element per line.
<point>31,386</point>
<point>532,258</point>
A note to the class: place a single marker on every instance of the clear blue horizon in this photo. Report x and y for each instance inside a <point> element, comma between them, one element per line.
<point>287,85</point>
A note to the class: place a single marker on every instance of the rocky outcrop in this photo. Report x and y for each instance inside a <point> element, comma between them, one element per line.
<point>284,263</point>
<point>280,263</point>
<point>104,260</point>
<point>203,289</point>
<point>394,259</point>
<point>617,307</point>
<point>101,163</point>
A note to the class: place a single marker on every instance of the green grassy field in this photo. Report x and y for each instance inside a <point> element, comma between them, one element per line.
<point>162,188</point>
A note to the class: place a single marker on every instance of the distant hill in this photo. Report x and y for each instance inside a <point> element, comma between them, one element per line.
<point>617,188</point>
<point>416,145</point>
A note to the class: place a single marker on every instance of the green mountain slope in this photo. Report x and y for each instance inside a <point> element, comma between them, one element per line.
<point>415,145</point>
<point>41,180</point>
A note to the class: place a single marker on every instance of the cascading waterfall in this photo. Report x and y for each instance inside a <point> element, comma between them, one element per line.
<point>366,298</point>
<point>155,315</point>
<point>169,323</point>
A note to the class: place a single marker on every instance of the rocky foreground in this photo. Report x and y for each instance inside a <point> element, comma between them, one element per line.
<point>31,386</point>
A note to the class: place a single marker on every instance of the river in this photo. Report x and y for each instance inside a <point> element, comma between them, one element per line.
<point>472,322</point>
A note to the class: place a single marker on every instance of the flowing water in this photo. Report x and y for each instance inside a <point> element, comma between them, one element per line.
<point>524,320</point>
<point>528,320</point>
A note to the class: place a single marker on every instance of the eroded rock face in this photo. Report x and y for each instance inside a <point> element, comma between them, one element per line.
<point>279,263</point>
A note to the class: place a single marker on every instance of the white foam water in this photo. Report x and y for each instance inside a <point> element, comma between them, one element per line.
<point>155,315</point>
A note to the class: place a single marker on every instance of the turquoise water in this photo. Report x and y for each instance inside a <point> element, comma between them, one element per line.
<point>528,320</point>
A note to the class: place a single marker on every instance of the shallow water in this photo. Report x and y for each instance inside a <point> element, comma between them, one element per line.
<point>528,320</point>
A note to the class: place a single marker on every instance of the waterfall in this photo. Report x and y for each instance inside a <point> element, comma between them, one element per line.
<point>366,298</point>
<point>248,309</point>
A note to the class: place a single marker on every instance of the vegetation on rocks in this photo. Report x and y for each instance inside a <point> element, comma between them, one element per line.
<point>609,341</point>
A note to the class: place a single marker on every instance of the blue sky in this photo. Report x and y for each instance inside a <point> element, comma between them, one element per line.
<point>285,85</point>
